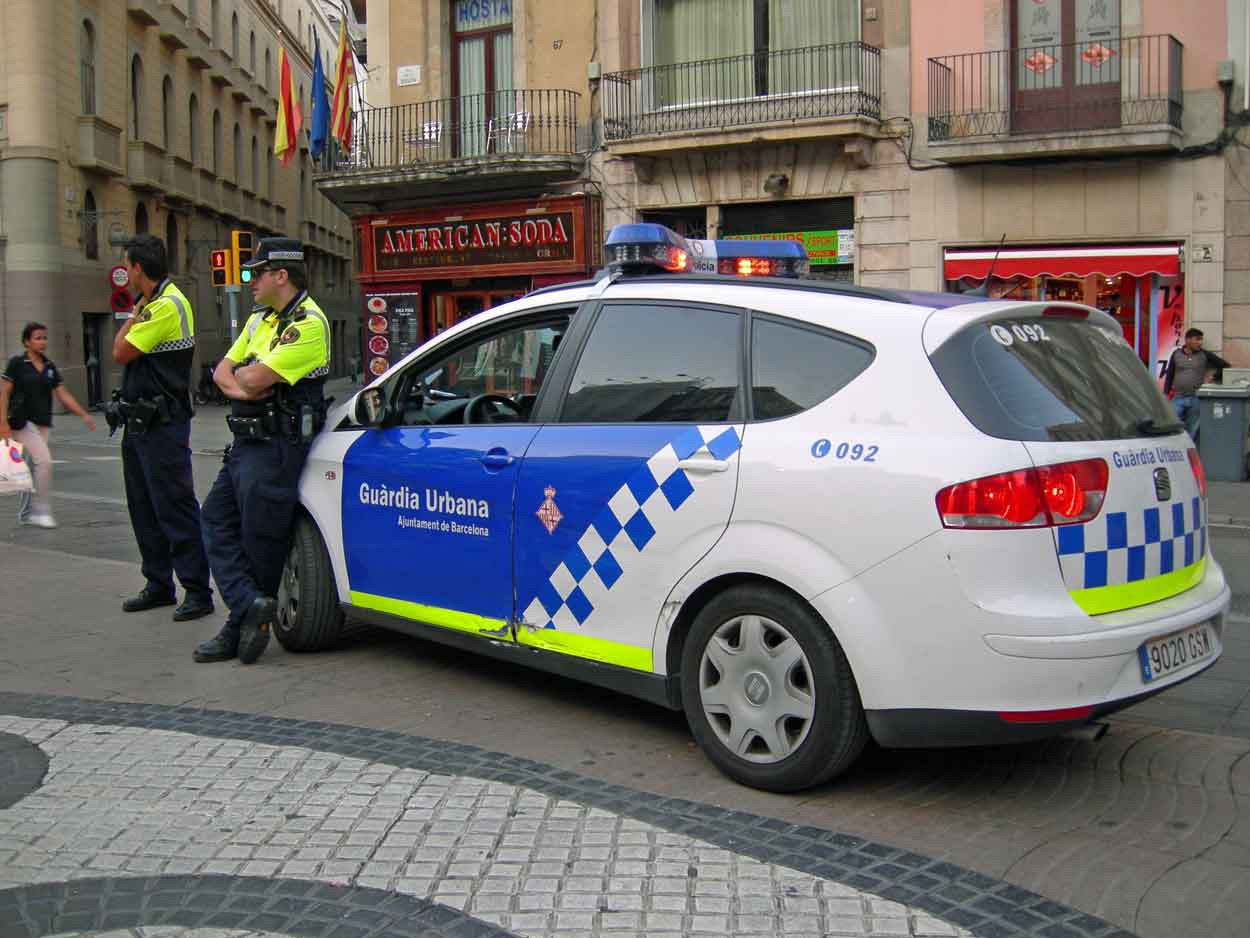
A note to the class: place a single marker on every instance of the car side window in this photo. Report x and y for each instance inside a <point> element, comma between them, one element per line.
<point>794,367</point>
<point>663,363</point>
<point>512,362</point>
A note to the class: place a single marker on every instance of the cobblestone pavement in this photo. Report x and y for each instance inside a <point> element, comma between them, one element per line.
<point>153,816</point>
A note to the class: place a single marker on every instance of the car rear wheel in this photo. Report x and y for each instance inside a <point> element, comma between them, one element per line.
<point>309,617</point>
<point>768,691</point>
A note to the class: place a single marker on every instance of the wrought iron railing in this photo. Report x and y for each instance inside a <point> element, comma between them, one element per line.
<point>1122,82</point>
<point>836,80</point>
<point>499,123</point>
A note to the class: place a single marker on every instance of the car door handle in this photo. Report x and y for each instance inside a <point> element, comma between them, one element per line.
<point>496,459</point>
<point>703,465</point>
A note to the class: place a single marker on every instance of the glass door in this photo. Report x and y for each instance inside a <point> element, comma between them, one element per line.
<point>486,113</point>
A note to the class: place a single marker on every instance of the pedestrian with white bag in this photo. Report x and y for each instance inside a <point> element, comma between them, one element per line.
<point>26,389</point>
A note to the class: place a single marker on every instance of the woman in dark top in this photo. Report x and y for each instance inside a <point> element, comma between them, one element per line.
<point>30,380</point>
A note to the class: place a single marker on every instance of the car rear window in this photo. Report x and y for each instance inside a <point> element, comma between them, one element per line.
<point>1053,379</point>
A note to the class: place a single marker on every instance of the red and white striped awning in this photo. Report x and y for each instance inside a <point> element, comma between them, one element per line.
<point>1139,260</point>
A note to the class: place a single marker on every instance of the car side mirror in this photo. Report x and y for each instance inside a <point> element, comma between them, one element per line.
<point>370,407</point>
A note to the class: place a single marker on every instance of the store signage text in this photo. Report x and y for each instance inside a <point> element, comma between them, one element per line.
<point>509,240</point>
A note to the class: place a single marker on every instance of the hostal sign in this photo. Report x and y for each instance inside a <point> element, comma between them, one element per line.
<point>477,242</point>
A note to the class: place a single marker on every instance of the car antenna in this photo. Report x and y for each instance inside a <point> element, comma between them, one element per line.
<point>984,289</point>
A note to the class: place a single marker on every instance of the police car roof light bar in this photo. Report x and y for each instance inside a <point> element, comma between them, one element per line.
<point>645,245</point>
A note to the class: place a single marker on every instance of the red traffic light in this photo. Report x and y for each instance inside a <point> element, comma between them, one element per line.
<point>219,261</point>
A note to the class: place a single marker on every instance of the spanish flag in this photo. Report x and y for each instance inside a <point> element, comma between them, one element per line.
<point>344,78</point>
<point>289,117</point>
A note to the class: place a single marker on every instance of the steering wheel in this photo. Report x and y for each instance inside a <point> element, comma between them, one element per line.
<point>477,403</point>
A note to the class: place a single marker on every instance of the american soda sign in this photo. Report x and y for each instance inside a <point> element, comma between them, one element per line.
<point>476,242</point>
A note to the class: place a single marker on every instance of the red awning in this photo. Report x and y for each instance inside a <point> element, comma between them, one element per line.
<point>1139,260</point>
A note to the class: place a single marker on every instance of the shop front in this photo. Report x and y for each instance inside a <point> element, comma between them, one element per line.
<point>1141,285</point>
<point>424,271</point>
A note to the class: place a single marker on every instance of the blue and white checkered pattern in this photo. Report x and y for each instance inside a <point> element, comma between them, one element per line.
<point>648,501</point>
<point>1124,547</point>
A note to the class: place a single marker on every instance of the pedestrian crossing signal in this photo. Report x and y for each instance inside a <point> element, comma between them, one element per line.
<point>241,253</point>
<point>220,261</point>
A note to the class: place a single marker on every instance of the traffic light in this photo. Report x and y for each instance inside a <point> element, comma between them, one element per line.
<point>241,253</point>
<point>220,260</point>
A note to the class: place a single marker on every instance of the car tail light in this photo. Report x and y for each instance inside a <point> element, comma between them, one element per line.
<point>1064,493</point>
<point>1046,716</point>
<point>1200,475</point>
<point>1065,312</point>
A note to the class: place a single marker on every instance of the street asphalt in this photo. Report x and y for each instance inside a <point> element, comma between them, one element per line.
<point>391,786</point>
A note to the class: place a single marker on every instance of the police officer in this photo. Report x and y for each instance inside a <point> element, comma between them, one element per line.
<point>156,345</point>
<point>274,375</point>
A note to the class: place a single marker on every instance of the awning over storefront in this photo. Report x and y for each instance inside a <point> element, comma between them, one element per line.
<point>1138,260</point>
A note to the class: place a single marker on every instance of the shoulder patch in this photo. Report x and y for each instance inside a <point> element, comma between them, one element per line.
<point>291,334</point>
<point>143,315</point>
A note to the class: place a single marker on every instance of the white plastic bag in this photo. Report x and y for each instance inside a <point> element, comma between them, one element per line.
<point>14,473</point>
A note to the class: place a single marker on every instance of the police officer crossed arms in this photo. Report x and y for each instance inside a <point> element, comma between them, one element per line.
<point>274,376</point>
<point>156,345</point>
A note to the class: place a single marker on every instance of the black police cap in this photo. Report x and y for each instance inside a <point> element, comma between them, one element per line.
<point>276,251</point>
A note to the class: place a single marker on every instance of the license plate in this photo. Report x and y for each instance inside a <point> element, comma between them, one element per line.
<point>1160,657</point>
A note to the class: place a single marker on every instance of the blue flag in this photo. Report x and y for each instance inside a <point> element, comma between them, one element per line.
<point>319,129</point>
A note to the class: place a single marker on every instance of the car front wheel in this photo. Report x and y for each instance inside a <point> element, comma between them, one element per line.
<point>309,617</point>
<point>768,691</point>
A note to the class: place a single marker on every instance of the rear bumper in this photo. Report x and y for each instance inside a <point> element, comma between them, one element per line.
<point>918,728</point>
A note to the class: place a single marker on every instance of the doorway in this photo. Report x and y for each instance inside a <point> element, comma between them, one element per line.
<point>452,306</point>
<point>1065,65</point>
<point>93,327</point>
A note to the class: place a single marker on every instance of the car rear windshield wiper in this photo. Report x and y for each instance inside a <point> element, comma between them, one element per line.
<point>1151,428</point>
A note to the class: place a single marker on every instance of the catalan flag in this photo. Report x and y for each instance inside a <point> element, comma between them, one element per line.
<point>285,135</point>
<point>344,78</point>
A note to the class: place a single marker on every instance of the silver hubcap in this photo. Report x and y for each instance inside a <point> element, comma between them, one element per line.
<point>288,591</point>
<point>755,684</point>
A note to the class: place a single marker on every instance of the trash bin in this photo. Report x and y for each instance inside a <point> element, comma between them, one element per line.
<point>1223,430</point>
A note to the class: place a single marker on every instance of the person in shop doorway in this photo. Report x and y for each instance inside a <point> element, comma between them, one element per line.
<point>27,387</point>
<point>1187,370</point>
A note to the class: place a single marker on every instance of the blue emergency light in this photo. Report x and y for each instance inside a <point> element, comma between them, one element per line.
<point>648,246</point>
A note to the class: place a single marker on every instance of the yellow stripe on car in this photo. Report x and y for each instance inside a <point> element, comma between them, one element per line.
<point>1100,599</point>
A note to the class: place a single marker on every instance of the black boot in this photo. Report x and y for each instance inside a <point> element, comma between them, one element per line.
<point>194,607</point>
<point>254,628</point>
<point>222,647</point>
<point>148,598</point>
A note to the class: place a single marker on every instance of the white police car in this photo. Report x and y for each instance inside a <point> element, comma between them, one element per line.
<point>804,513</point>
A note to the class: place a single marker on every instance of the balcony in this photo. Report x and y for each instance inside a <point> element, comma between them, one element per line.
<point>199,56</point>
<point>145,165</point>
<point>230,202</point>
<point>490,142</point>
<point>825,91</point>
<point>99,146</point>
<point>1120,96</point>
<point>205,189</point>
<point>181,176</point>
<point>145,12</point>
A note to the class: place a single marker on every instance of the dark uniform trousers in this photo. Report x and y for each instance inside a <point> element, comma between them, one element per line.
<point>248,516</point>
<point>165,516</point>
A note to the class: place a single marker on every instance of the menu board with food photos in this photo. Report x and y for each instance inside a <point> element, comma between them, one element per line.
<point>392,329</point>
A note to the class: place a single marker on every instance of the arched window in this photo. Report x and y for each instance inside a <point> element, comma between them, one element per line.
<point>299,23</point>
<point>86,53</point>
<point>234,37</point>
<point>254,179</point>
<point>251,52</point>
<point>268,70</point>
<point>136,96</point>
<point>141,219</point>
<point>171,242</point>
<point>217,143</point>
<point>302,188</point>
<point>193,129</point>
<point>90,227</point>
<point>214,27</point>
<point>237,153</point>
<point>167,113</point>
<point>269,176</point>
